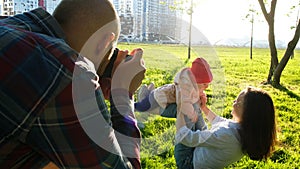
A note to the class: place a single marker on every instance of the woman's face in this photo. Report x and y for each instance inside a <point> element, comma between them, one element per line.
<point>238,103</point>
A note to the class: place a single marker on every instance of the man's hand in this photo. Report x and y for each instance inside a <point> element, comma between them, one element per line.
<point>128,74</point>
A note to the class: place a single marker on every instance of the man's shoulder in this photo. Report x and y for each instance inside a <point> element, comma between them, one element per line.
<point>35,45</point>
<point>34,21</point>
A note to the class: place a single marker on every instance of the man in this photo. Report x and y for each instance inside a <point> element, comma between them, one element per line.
<point>51,105</point>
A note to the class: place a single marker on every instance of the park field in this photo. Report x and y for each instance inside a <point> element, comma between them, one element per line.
<point>233,70</point>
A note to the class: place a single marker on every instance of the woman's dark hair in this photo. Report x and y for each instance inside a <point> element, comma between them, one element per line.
<point>258,126</point>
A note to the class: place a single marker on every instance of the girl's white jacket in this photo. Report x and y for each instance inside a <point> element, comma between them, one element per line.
<point>184,92</point>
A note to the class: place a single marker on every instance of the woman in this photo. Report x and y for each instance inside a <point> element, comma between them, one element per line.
<point>252,132</point>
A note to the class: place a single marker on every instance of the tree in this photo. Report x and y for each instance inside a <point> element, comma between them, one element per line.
<point>250,17</point>
<point>186,5</point>
<point>276,67</point>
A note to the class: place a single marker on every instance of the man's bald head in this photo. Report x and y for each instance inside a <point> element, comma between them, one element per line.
<point>81,18</point>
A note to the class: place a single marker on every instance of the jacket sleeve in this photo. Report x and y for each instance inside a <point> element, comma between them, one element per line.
<point>165,95</point>
<point>198,138</point>
<point>192,138</point>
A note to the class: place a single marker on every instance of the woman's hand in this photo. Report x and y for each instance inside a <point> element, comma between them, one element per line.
<point>203,100</point>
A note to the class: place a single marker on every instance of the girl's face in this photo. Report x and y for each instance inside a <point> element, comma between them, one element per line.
<point>202,87</point>
<point>238,103</point>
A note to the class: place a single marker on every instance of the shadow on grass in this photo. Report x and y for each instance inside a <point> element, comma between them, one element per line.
<point>287,91</point>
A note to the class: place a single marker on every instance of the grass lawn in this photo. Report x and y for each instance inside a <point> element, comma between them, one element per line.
<point>233,70</point>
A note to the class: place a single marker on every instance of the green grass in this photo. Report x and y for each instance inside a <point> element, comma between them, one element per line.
<point>233,71</point>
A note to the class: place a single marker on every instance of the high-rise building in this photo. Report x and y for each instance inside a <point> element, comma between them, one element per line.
<point>151,30</point>
<point>148,20</point>
<point>169,20</point>
<point>138,19</point>
<point>125,12</point>
<point>50,5</point>
<point>13,7</point>
<point>1,7</point>
<point>141,20</point>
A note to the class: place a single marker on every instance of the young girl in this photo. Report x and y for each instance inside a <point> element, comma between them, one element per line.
<point>189,84</point>
<point>252,132</point>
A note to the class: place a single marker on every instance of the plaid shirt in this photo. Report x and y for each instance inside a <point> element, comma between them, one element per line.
<point>38,122</point>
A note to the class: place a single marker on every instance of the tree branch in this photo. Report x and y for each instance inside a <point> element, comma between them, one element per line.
<point>273,7</point>
<point>263,9</point>
<point>289,51</point>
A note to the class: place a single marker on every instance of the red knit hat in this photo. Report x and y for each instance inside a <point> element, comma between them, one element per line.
<point>201,70</point>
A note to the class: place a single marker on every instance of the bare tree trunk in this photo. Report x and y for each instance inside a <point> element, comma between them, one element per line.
<point>251,40</point>
<point>270,75</point>
<point>273,50</point>
<point>288,53</point>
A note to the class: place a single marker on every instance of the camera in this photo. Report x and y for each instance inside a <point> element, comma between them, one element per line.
<point>108,70</point>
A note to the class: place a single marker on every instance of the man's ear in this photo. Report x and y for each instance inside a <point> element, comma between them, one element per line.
<point>104,49</point>
<point>97,46</point>
<point>109,39</point>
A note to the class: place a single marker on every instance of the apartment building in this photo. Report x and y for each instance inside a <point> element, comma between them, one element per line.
<point>148,20</point>
<point>50,5</point>
<point>126,13</point>
<point>141,20</point>
<point>13,7</point>
<point>1,4</point>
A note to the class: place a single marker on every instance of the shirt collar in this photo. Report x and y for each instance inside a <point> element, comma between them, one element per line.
<point>46,22</point>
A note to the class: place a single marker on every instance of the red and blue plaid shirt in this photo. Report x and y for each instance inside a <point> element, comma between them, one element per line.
<point>38,122</point>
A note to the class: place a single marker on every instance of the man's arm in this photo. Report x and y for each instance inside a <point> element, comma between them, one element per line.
<point>127,77</point>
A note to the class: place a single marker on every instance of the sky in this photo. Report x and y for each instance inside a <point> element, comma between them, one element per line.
<point>221,19</point>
